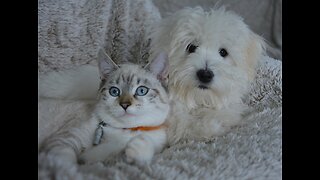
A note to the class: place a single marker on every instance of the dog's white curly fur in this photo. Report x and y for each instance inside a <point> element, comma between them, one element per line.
<point>203,110</point>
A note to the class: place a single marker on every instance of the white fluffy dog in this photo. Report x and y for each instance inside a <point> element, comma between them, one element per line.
<point>212,60</point>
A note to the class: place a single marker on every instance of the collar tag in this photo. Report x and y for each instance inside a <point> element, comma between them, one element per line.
<point>99,133</point>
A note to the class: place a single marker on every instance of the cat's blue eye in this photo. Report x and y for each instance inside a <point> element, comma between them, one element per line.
<point>142,90</point>
<point>114,91</point>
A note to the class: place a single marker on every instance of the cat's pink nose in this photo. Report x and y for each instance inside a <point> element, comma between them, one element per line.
<point>125,105</point>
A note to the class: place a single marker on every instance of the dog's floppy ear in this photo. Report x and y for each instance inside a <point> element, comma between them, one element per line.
<point>106,65</point>
<point>159,66</point>
<point>254,52</point>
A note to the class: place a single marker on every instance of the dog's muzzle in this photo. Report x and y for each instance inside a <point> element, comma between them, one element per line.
<point>205,75</point>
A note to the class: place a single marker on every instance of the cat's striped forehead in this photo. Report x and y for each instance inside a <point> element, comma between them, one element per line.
<point>131,79</point>
<point>130,74</point>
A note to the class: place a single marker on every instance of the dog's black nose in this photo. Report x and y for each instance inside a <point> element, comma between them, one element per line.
<point>205,75</point>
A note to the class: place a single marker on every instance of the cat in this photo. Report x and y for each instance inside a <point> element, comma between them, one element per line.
<point>128,116</point>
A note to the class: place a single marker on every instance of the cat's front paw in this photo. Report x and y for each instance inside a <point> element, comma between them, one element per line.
<point>88,158</point>
<point>139,150</point>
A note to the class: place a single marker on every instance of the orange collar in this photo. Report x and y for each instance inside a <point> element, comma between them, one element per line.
<point>99,131</point>
<point>146,128</point>
<point>139,128</point>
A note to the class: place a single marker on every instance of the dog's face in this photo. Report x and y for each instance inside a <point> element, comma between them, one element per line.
<point>212,56</point>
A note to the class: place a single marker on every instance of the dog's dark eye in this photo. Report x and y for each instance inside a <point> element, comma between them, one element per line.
<point>223,52</point>
<point>191,48</point>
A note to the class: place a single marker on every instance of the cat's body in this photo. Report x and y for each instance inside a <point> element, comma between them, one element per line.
<point>132,105</point>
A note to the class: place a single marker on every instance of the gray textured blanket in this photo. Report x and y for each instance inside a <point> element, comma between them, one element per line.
<point>70,33</point>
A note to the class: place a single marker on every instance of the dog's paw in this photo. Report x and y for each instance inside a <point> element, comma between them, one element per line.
<point>217,123</point>
<point>214,127</point>
<point>139,150</point>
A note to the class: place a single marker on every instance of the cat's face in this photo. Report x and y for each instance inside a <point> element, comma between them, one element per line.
<point>132,96</point>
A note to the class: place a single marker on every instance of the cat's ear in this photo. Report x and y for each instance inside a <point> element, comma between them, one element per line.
<point>159,66</point>
<point>106,65</point>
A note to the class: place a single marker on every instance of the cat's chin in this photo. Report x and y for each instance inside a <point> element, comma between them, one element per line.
<point>128,120</point>
<point>128,115</point>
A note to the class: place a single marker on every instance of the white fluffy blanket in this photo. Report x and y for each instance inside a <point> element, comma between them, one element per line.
<point>70,33</point>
